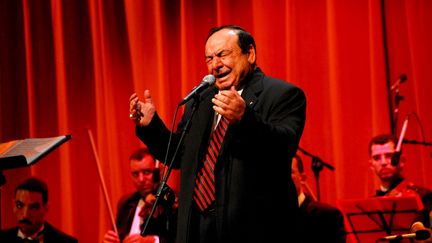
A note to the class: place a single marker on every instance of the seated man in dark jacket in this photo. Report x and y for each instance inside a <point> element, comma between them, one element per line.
<point>31,198</point>
<point>388,165</point>
<point>133,209</point>
<point>318,222</point>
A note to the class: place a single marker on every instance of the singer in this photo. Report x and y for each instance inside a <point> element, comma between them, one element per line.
<point>389,169</point>
<point>244,126</point>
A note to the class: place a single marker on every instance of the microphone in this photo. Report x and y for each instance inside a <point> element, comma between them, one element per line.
<point>396,156</point>
<point>422,234</point>
<point>400,80</point>
<point>207,81</point>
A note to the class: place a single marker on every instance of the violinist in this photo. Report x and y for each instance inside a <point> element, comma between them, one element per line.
<point>133,209</point>
<point>382,148</point>
<point>318,221</point>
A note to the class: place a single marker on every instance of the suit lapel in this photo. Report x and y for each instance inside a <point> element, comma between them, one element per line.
<point>253,88</point>
<point>205,114</point>
<point>131,208</point>
<point>201,121</point>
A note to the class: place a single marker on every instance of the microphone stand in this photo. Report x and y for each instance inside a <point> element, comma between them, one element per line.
<point>415,142</point>
<point>317,165</point>
<point>162,189</point>
<point>2,183</point>
<point>398,98</point>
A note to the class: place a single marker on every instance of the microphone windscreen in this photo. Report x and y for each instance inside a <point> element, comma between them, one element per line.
<point>209,78</point>
<point>422,234</point>
<point>395,158</point>
<point>402,78</point>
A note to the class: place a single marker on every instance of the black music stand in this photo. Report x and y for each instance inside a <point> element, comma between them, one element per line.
<point>25,152</point>
<point>373,218</point>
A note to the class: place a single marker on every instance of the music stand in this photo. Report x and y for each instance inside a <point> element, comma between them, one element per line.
<point>374,218</point>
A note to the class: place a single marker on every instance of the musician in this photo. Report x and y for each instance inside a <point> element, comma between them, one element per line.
<point>30,208</point>
<point>382,148</point>
<point>318,222</point>
<point>133,209</point>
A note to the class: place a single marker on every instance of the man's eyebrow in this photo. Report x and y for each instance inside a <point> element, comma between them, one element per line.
<point>217,53</point>
<point>35,204</point>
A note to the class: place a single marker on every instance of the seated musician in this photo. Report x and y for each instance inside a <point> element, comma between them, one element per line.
<point>318,221</point>
<point>133,209</point>
<point>392,183</point>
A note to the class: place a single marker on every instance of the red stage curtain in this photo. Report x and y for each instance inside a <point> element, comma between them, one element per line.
<point>69,67</point>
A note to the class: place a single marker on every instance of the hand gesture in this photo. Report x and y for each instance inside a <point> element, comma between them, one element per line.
<point>141,112</point>
<point>230,105</point>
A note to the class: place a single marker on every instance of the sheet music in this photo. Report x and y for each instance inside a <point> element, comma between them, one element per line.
<point>32,148</point>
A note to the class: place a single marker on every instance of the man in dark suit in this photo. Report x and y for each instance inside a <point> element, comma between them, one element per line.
<point>239,131</point>
<point>133,209</point>
<point>31,198</point>
<point>318,222</point>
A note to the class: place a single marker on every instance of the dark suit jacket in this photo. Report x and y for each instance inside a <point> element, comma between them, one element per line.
<point>51,235</point>
<point>321,222</point>
<point>163,226</point>
<point>252,197</point>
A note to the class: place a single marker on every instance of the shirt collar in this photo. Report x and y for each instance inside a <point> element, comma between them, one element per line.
<point>35,236</point>
<point>301,198</point>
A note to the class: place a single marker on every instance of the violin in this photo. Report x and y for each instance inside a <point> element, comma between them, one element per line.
<point>166,204</point>
<point>405,188</point>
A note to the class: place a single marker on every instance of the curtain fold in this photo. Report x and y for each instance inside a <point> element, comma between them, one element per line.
<point>69,67</point>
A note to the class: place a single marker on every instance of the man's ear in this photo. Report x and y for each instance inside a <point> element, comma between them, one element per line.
<point>46,207</point>
<point>251,54</point>
<point>371,166</point>
<point>402,161</point>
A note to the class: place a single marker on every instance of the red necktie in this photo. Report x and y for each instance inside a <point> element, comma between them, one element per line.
<point>204,184</point>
